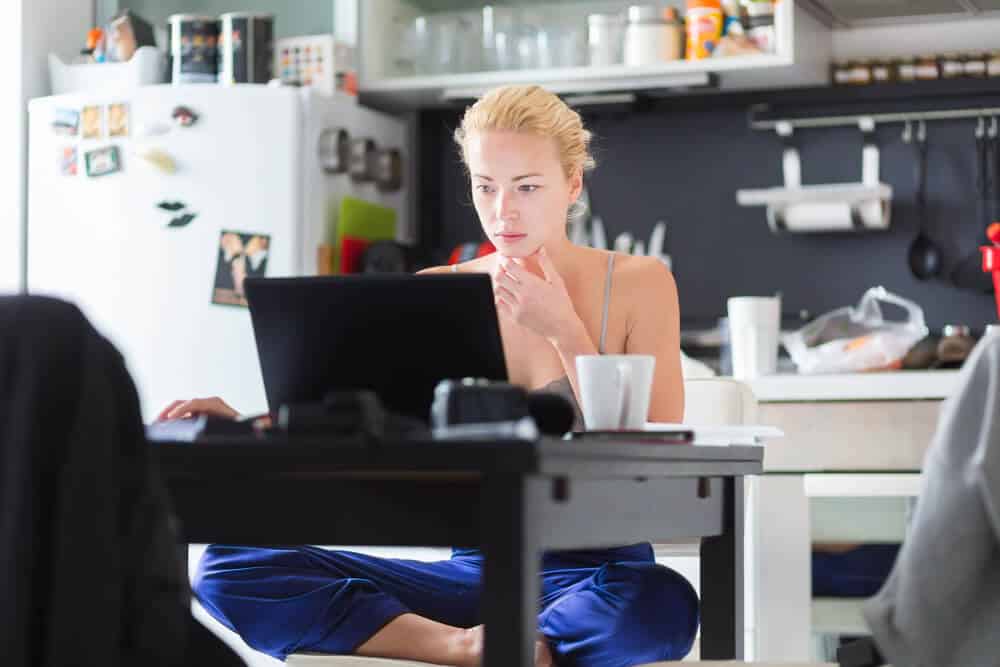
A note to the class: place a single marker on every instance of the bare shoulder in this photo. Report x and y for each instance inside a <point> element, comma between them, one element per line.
<point>645,279</point>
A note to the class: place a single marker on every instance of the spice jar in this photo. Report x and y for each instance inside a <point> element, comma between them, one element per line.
<point>760,24</point>
<point>952,66</point>
<point>840,73</point>
<point>906,69</point>
<point>927,68</point>
<point>882,71</point>
<point>861,73</point>
<point>993,64</point>
<point>975,65</point>
<point>604,39</point>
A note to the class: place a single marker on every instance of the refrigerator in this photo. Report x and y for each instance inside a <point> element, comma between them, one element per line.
<point>147,209</point>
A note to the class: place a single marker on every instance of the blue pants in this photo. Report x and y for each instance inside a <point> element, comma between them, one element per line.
<point>608,608</point>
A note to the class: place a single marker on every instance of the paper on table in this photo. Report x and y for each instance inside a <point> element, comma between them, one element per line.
<point>749,434</point>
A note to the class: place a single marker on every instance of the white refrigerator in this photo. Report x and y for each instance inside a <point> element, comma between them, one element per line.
<point>131,198</point>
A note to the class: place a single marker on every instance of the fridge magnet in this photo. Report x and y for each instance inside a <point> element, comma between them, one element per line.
<point>160,159</point>
<point>118,120</point>
<point>66,122</point>
<point>148,130</point>
<point>67,161</point>
<point>240,255</point>
<point>182,220</point>
<point>90,119</point>
<point>103,161</point>
<point>184,116</point>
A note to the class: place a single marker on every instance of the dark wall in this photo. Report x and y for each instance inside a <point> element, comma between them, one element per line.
<point>684,165</point>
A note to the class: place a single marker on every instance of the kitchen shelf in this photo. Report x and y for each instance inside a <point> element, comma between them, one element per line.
<point>801,58</point>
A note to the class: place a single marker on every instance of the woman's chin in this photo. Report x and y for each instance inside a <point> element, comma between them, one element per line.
<point>517,250</point>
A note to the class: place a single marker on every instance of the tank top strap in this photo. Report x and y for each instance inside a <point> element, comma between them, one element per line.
<point>607,302</point>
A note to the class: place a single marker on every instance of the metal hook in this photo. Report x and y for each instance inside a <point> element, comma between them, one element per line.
<point>907,132</point>
<point>921,131</point>
<point>993,128</point>
<point>980,127</point>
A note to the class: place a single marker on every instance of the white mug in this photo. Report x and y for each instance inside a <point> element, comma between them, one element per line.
<point>614,390</point>
<point>754,324</point>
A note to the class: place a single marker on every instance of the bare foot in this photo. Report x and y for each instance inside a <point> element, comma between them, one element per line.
<point>469,648</point>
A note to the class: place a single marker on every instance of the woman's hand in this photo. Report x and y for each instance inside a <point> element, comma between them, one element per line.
<point>540,304</point>
<point>214,406</point>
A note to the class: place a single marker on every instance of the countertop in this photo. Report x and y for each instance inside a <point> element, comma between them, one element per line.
<point>875,386</point>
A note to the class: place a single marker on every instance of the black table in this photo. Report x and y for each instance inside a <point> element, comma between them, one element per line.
<point>511,498</point>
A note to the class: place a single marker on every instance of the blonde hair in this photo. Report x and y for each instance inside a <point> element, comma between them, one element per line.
<point>532,109</point>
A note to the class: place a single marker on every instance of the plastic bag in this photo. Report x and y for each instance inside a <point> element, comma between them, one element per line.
<point>856,339</point>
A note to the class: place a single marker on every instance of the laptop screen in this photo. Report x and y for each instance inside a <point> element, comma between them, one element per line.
<point>395,334</point>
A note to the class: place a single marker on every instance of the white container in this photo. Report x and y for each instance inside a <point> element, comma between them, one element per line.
<point>649,38</point>
<point>143,69</point>
<point>754,324</point>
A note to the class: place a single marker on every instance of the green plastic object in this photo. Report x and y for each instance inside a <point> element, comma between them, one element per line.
<point>362,219</point>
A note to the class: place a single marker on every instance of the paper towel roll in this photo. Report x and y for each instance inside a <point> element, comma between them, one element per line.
<point>827,216</point>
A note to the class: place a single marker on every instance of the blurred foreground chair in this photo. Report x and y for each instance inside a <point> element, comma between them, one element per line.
<point>90,570</point>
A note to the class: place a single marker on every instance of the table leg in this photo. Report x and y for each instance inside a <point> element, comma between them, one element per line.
<point>722,581</point>
<point>511,571</point>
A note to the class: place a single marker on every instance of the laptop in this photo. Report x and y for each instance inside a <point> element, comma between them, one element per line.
<point>395,334</point>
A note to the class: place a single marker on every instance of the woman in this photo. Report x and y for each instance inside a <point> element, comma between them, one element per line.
<point>526,152</point>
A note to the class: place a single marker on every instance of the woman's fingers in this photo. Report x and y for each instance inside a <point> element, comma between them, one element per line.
<point>166,411</point>
<point>214,406</point>
<point>503,293</point>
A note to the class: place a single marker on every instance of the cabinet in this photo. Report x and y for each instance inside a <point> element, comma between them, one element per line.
<point>845,471</point>
<point>419,53</point>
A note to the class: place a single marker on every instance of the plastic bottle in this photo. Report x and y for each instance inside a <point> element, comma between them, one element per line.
<point>704,28</point>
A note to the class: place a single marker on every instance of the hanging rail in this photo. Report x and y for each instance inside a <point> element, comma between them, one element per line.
<point>878,118</point>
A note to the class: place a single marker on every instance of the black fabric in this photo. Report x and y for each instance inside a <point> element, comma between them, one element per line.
<point>90,567</point>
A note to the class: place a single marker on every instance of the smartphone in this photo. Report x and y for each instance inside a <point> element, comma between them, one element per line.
<point>647,437</point>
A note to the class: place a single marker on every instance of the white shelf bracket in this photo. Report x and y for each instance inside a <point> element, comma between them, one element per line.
<point>869,153</point>
<point>791,165</point>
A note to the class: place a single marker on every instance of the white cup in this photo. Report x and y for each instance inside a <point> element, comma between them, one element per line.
<point>754,323</point>
<point>614,390</point>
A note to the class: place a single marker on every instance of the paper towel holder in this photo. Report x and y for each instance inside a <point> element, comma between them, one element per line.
<point>833,207</point>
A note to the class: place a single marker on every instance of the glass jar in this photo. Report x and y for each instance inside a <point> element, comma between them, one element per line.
<point>952,66</point>
<point>882,71</point>
<point>861,73</point>
<point>993,64</point>
<point>906,69</point>
<point>927,69</point>
<point>604,39</point>
<point>975,65</point>
<point>840,73</point>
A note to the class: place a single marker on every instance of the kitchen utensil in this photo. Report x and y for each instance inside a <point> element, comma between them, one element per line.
<point>968,273</point>
<point>598,238</point>
<point>623,242</point>
<point>925,256</point>
<point>656,239</point>
<point>639,248</point>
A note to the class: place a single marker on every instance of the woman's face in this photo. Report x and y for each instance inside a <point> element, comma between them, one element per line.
<point>519,189</point>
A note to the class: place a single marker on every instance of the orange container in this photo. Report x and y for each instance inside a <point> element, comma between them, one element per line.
<point>704,28</point>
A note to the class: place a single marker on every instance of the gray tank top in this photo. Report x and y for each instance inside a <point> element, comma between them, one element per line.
<point>562,386</point>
